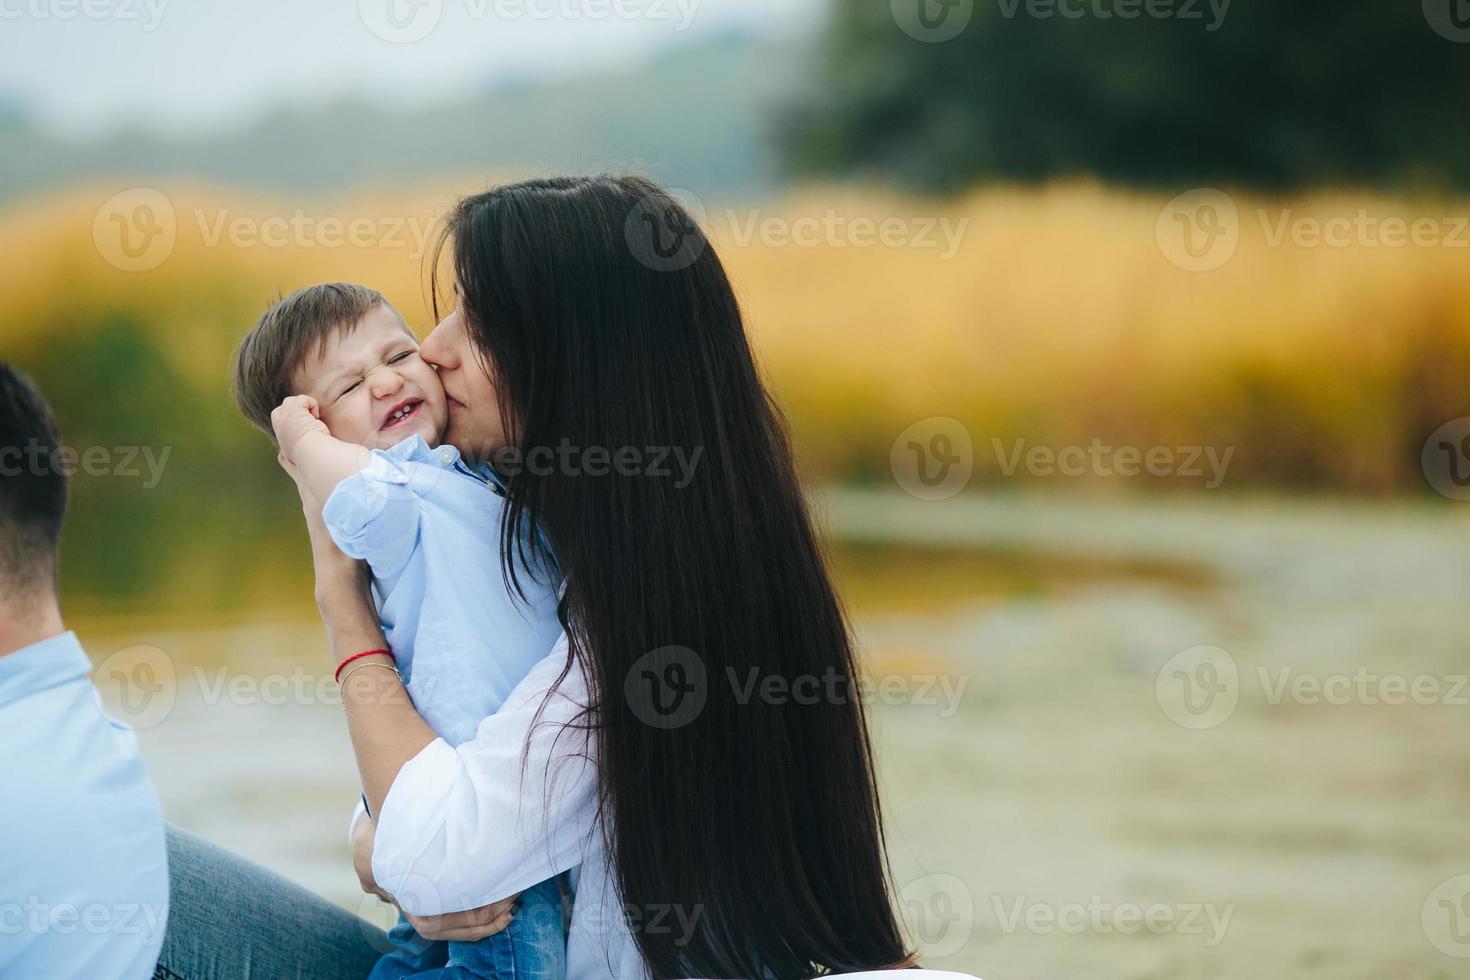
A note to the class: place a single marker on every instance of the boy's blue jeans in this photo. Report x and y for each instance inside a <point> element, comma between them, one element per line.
<point>532,947</point>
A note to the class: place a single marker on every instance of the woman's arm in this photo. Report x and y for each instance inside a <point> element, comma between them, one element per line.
<point>462,825</point>
<point>459,826</point>
<point>385,728</point>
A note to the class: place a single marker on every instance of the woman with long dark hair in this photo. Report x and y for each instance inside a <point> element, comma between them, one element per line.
<point>694,750</point>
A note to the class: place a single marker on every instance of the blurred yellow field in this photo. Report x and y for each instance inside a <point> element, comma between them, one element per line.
<point>1322,352</point>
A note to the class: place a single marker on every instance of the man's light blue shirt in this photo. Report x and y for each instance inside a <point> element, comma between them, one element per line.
<point>429,527</point>
<point>83,870</point>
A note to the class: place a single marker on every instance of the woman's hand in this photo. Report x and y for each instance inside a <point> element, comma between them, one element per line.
<point>362,856</point>
<point>465,927</point>
<point>457,926</point>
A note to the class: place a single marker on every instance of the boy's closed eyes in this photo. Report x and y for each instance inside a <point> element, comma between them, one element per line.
<point>371,386</point>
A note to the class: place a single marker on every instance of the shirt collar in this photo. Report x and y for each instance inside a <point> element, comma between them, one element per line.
<point>51,662</point>
<point>487,472</point>
<point>415,449</point>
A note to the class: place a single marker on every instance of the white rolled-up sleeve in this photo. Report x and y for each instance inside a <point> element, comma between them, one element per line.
<point>465,826</point>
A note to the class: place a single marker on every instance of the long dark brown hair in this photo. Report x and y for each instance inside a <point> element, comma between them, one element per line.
<point>749,806</point>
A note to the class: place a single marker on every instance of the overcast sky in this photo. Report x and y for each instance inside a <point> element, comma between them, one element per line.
<point>89,65</point>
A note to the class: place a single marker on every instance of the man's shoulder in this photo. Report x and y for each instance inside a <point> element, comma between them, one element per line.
<point>81,823</point>
<point>65,754</point>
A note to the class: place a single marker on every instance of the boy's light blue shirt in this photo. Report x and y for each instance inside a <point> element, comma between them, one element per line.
<point>428,526</point>
<point>83,866</point>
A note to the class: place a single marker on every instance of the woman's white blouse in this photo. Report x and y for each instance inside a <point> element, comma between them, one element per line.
<point>465,826</point>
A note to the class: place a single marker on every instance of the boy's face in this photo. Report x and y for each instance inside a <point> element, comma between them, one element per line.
<point>372,386</point>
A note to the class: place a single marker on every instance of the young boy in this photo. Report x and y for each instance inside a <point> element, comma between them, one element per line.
<point>333,374</point>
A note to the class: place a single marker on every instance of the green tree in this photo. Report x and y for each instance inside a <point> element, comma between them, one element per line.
<point>1272,93</point>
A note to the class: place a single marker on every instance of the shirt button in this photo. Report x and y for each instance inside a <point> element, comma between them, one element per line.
<point>447,455</point>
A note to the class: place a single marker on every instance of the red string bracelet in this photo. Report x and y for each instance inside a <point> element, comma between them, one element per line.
<point>337,676</point>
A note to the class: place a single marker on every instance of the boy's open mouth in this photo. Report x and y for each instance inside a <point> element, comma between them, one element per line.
<point>401,413</point>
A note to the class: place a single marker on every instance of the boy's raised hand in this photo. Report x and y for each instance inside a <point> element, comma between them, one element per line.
<point>317,461</point>
<point>297,416</point>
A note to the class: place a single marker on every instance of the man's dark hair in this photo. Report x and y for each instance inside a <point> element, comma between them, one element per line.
<point>32,489</point>
<point>285,334</point>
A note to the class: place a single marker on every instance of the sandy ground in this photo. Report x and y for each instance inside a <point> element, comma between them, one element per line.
<point>1232,745</point>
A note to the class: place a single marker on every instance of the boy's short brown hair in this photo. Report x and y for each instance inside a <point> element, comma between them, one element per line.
<point>269,356</point>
